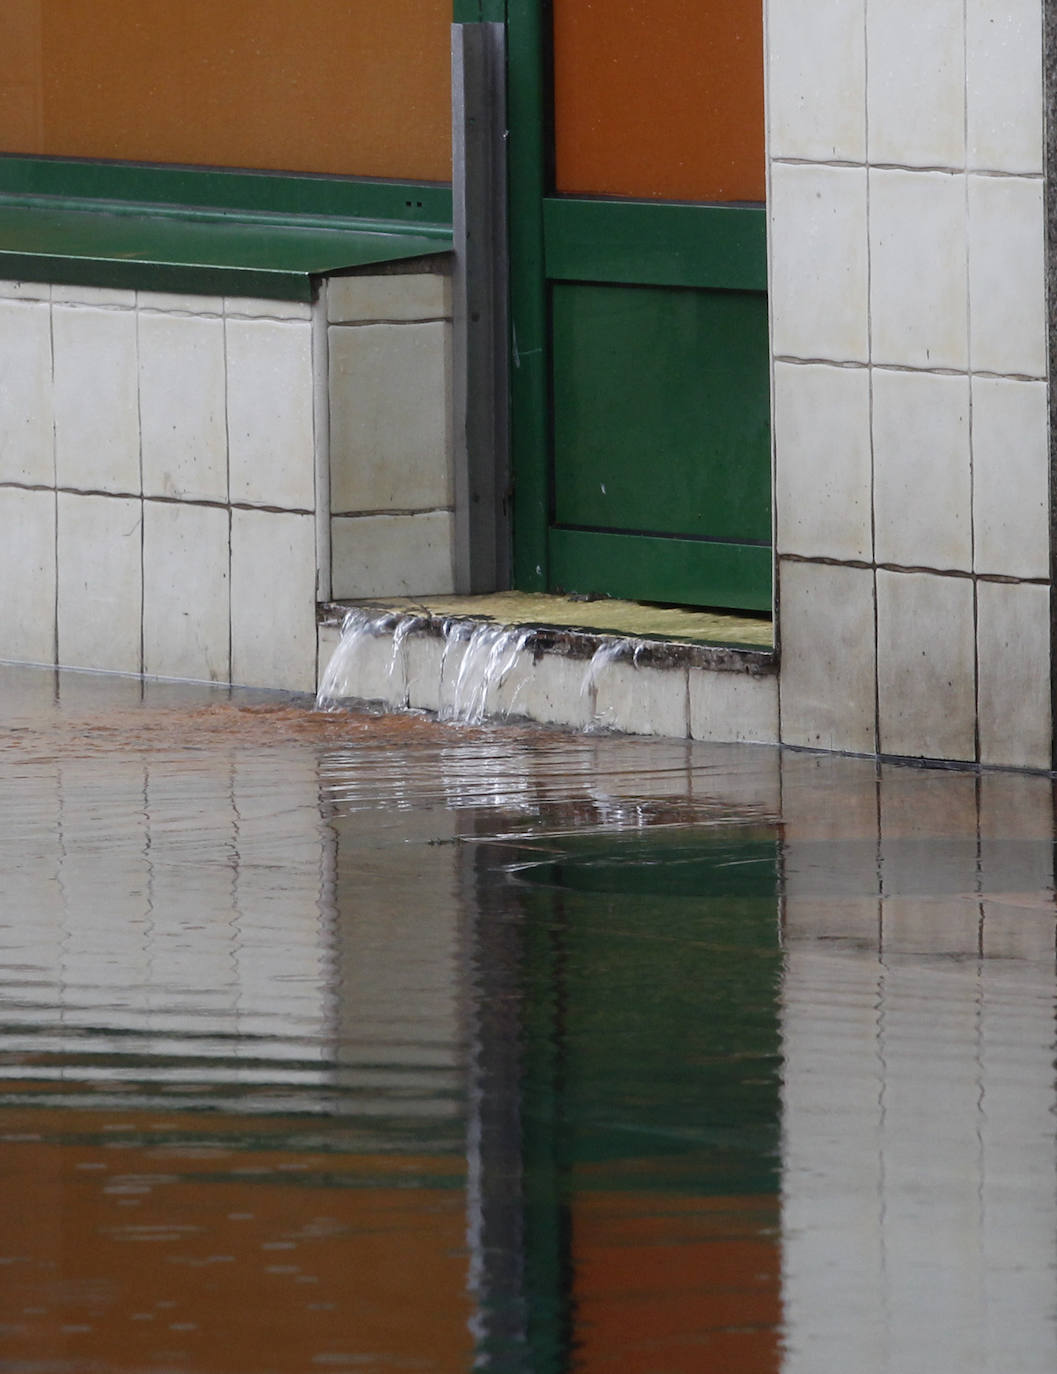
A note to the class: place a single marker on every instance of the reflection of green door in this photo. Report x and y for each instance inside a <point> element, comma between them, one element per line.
<point>649,1089</point>
<point>640,360</point>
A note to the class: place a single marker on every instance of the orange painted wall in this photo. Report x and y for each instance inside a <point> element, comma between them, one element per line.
<point>350,87</point>
<point>660,100</point>
<point>688,1285</point>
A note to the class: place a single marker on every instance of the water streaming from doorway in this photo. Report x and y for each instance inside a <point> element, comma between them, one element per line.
<point>476,660</point>
<point>342,1042</point>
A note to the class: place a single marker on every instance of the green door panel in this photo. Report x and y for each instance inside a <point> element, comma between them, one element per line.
<point>640,405</point>
<point>689,572</point>
<point>661,411</point>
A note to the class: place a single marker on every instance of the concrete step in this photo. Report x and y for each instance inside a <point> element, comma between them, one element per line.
<point>500,657</point>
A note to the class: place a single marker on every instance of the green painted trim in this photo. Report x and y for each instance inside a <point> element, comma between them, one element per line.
<point>529,380</point>
<point>651,568</point>
<point>656,243</point>
<point>205,256</point>
<point>424,205</point>
<point>479,12</point>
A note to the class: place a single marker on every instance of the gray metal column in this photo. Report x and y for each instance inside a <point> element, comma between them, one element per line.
<point>481,330</point>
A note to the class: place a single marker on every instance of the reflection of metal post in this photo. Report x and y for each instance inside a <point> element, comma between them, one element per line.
<point>479,380</point>
<point>495,1183</point>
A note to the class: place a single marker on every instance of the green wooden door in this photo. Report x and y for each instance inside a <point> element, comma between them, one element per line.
<point>640,383</point>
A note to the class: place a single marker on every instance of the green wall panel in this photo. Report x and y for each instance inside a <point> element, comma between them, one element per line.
<point>660,244</point>
<point>661,411</point>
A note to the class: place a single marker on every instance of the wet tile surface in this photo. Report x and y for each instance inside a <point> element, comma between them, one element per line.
<point>345,1042</point>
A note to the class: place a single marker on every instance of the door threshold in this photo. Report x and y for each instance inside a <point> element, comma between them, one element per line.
<point>683,626</point>
<point>595,665</point>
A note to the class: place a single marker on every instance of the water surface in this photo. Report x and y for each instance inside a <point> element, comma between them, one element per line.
<point>349,1042</point>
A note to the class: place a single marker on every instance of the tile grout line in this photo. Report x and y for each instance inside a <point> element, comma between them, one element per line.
<point>933,169</point>
<point>776,588</point>
<point>55,483</point>
<point>320,350</point>
<point>870,379</point>
<point>142,507</point>
<point>969,374</point>
<point>964,574</point>
<point>771,371</point>
<point>227,493</point>
<point>858,365</point>
<point>1049,154</point>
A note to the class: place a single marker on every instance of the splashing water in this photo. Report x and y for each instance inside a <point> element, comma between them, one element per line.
<point>476,663</point>
<point>491,654</point>
<point>613,651</point>
<point>339,680</point>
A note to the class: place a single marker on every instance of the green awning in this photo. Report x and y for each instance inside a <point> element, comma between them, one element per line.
<point>201,254</point>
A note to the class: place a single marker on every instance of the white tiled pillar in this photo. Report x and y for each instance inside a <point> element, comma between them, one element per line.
<point>392,498</point>
<point>907,289</point>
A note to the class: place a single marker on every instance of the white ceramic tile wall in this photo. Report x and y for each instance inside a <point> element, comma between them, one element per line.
<point>270,417</point>
<point>120,395</point>
<point>925,665</point>
<point>404,296</point>
<point>392,555</point>
<point>27,575</point>
<point>916,85</point>
<point>25,291</point>
<point>177,410</point>
<point>100,588</point>
<point>818,283</point>
<point>1014,690</point>
<point>1003,70</point>
<point>186,611</point>
<point>922,482</point>
<point>27,451</point>
<point>822,482</point>
<point>182,387</point>
<point>1010,482</point>
<point>828,673</point>
<point>273,599</point>
<point>917,250</point>
<point>96,398</point>
<point>390,438</point>
<point>817,80</point>
<point>918,304</point>
<point>1007,302</point>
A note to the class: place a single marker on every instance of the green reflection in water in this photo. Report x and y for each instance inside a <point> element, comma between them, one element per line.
<point>650,1051</point>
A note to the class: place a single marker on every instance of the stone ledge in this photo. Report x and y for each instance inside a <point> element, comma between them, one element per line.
<point>577,642</point>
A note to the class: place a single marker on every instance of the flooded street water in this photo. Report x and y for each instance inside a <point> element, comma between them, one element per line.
<point>348,1043</point>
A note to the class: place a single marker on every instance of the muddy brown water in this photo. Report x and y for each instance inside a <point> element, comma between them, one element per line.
<point>349,1042</point>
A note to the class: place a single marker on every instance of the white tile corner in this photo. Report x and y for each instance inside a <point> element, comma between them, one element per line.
<point>1013,649</point>
<point>826,630</point>
<point>925,666</point>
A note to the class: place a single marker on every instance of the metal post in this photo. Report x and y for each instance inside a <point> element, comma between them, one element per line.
<point>481,331</point>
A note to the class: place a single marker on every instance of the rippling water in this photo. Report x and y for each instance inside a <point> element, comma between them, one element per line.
<point>368,1043</point>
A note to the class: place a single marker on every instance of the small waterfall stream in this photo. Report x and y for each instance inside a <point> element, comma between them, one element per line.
<point>476,662</point>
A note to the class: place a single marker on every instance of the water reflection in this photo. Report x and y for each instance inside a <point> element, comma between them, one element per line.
<point>351,1043</point>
